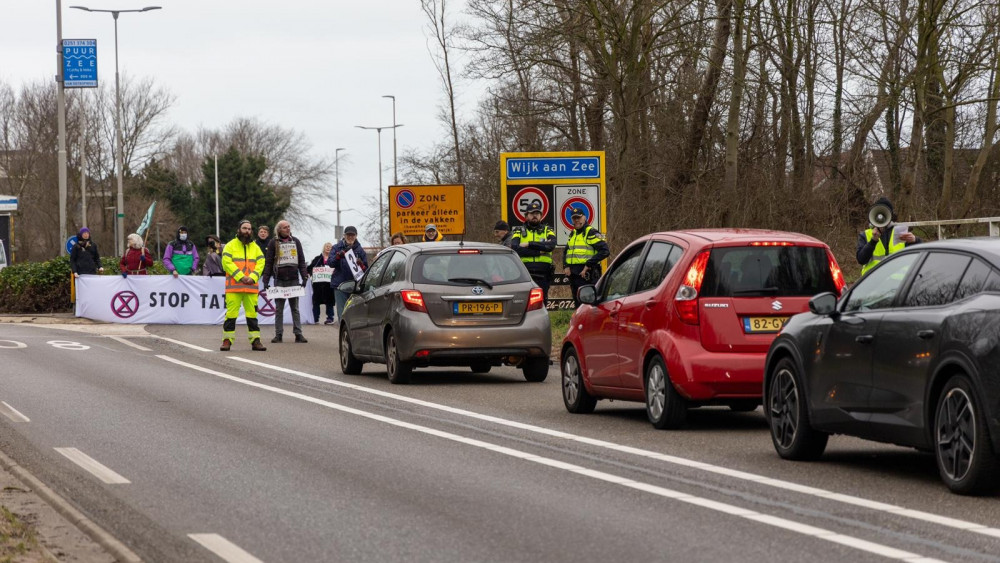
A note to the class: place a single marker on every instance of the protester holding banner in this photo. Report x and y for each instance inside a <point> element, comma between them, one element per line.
<point>322,292</point>
<point>347,258</point>
<point>212,266</point>
<point>181,256</point>
<point>243,262</point>
<point>84,258</point>
<point>136,258</point>
<point>286,263</point>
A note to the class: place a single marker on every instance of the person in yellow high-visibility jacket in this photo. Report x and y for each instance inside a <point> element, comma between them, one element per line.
<point>875,244</point>
<point>243,263</point>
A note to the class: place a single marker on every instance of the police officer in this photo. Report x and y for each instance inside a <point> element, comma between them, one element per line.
<point>875,244</point>
<point>585,250</point>
<point>534,244</point>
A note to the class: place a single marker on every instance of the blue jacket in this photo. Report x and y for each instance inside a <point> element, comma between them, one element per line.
<point>342,272</point>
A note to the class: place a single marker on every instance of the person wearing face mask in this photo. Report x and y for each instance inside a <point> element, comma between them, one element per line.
<point>84,258</point>
<point>534,244</point>
<point>212,266</point>
<point>181,256</point>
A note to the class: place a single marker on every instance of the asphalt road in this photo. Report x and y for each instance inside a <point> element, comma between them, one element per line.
<point>197,455</point>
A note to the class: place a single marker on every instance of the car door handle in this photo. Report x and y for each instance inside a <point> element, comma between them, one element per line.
<point>865,339</point>
<point>925,334</point>
<point>651,303</point>
<point>613,314</point>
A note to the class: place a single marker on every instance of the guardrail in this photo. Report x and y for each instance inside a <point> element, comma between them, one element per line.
<point>992,222</point>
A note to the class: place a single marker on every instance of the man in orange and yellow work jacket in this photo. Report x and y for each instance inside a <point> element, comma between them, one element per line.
<point>243,262</point>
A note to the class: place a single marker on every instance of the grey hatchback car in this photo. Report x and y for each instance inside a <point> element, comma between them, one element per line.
<point>445,304</point>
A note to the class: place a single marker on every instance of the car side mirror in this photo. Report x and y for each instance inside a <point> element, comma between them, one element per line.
<point>823,304</point>
<point>349,286</point>
<point>587,294</point>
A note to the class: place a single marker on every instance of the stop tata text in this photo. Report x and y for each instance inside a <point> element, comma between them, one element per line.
<point>176,300</point>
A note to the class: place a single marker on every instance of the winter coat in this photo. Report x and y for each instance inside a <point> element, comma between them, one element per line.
<point>342,272</point>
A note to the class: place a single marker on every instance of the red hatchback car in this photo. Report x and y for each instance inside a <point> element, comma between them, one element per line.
<point>685,318</point>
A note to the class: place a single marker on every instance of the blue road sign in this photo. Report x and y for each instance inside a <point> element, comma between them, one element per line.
<point>70,242</point>
<point>551,168</point>
<point>79,63</point>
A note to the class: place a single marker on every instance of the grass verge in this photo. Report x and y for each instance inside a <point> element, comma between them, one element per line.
<point>560,326</point>
<point>17,538</point>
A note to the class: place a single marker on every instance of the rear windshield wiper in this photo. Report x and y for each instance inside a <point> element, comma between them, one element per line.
<point>759,290</point>
<point>471,280</point>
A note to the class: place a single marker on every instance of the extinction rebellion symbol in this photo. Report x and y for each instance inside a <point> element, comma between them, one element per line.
<point>125,304</point>
<point>267,309</point>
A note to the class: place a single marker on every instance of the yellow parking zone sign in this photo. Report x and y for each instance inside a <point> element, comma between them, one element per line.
<point>412,208</point>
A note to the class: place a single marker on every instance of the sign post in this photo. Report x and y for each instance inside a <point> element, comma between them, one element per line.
<point>79,63</point>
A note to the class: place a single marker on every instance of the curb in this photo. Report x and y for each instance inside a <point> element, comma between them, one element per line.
<point>75,517</point>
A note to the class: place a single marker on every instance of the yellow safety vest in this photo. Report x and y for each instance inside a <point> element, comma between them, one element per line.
<point>240,260</point>
<point>537,236</point>
<point>580,247</point>
<point>880,251</point>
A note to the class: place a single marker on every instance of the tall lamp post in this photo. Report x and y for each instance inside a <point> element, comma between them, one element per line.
<point>120,157</point>
<point>395,175</point>
<point>381,205</point>
<point>336,156</point>
<point>61,124</point>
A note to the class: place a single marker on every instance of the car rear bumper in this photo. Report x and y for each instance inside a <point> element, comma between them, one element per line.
<point>457,345</point>
<point>702,375</point>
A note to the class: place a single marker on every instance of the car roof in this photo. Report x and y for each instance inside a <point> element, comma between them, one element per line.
<point>987,247</point>
<point>740,236</point>
<point>448,245</point>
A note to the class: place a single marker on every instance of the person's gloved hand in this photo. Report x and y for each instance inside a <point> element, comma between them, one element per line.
<point>339,255</point>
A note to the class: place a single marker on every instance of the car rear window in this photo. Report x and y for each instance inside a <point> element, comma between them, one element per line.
<point>755,271</point>
<point>491,267</point>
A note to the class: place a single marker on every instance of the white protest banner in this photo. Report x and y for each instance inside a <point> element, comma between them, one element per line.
<point>279,292</point>
<point>322,274</point>
<point>352,263</point>
<point>169,300</point>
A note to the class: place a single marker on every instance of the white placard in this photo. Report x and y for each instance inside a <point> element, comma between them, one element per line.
<point>352,263</point>
<point>285,292</point>
<point>170,300</point>
<point>322,274</point>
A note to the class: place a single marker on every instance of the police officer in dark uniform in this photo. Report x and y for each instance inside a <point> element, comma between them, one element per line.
<point>534,244</point>
<point>585,250</point>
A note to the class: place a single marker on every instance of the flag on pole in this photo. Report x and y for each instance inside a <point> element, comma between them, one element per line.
<point>147,220</point>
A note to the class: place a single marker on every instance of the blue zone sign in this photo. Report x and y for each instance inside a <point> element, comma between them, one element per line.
<point>79,63</point>
<point>554,168</point>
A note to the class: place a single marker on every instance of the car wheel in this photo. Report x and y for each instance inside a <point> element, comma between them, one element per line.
<point>744,405</point>
<point>965,456</point>
<point>349,364</point>
<point>575,395</point>
<point>481,367</point>
<point>398,370</point>
<point>788,416</point>
<point>535,369</point>
<point>665,408</point>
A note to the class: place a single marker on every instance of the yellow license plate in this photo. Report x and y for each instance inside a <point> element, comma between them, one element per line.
<point>478,308</point>
<point>763,324</point>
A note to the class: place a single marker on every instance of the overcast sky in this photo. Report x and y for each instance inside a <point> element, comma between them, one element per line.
<point>315,66</point>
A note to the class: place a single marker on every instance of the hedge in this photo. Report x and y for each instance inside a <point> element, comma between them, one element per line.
<point>44,287</point>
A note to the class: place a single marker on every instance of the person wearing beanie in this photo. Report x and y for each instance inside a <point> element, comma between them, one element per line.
<point>875,244</point>
<point>84,258</point>
<point>212,266</point>
<point>243,262</point>
<point>181,256</point>
<point>502,233</point>
<point>136,258</point>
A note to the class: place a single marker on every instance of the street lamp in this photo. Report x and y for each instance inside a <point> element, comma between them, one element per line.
<point>395,176</point>
<point>120,157</point>
<point>336,156</point>
<point>113,209</point>
<point>381,206</point>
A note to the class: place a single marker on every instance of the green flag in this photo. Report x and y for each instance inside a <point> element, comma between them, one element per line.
<point>146,221</point>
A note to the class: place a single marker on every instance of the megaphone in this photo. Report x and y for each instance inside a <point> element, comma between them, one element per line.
<point>880,215</point>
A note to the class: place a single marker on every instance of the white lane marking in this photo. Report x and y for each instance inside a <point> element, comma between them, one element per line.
<point>93,466</point>
<point>707,467</point>
<point>790,525</point>
<point>15,346</point>
<point>132,344</point>
<point>181,343</point>
<point>12,413</point>
<point>224,548</point>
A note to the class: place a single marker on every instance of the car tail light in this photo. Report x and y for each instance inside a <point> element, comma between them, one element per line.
<point>470,251</point>
<point>686,299</point>
<point>838,276</point>
<point>770,243</point>
<point>423,354</point>
<point>536,300</point>
<point>413,300</point>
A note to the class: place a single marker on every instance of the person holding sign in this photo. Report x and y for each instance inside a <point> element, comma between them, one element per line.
<point>136,258</point>
<point>322,292</point>
<point>243,261</point>
<point>349,261</point>
<point>285,261</point>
